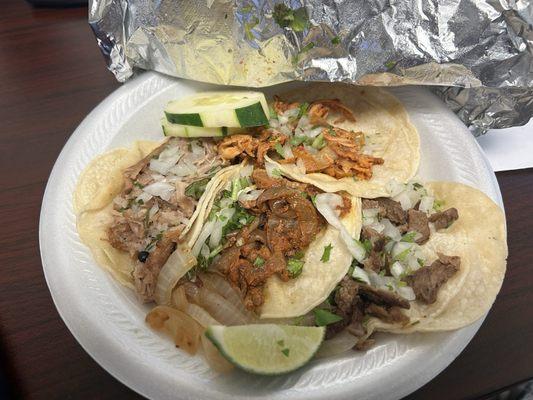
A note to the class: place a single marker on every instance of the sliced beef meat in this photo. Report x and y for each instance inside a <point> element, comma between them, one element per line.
<point>383,297</point>
<point>444,219</point>
<point>392,315</point>
<point>145,274</point>
<point>388,208</point>
<point>375,260</point>
<point>347,306</point>
<point>418,222</point>
<point>427,280</point>
<point>377,239</point>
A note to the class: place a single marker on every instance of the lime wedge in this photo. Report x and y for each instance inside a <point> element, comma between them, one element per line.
<point>267,349</point>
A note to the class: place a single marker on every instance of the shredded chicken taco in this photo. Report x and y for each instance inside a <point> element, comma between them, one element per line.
<point>336,137</point>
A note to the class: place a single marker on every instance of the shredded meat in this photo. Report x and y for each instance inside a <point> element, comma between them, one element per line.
<point>320,109</point>
<point>444,219</point>
<point>234,145</point>
<point>418,222</point>
<point>313,162</point>
<point>388,208</point>
<point>287,222</point>
<point>426,281</point>
<point>145,274</point>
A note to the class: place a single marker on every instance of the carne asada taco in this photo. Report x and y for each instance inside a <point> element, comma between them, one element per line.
<point>264,235</point>
<point>134,205</point>
<point>429,264</point>
<point>336,137</point>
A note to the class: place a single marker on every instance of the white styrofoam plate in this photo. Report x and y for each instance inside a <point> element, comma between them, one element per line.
<point>108,322</point>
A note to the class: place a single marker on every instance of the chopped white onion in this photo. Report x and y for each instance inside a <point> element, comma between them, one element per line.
<point>426,204</point>
<point>370,212</point>
<point>283,119</point>
<point>394,187</point>
<point>273,122</point>
<point>197,149</point>
<point>397,270</point>
<point>303,123</point>
<point>246,171</point>
<point>202,237</point>
<point>407,293</point>
<point>166,160</point>
<point>177,265</point>
<point>183,168</point>
<point>291,113</point>
<point>216,235</point>
<point>312,133</point>
<point>251,195</point>
<point>390,230</point>
<point>326,204</point>
<point>360,275</point>
<point>271,169</point>
<point>400,247</point>
<point>287,151</point>
<point>144,197</point>
<point>310,149</point>
<point>404,199</point>
<point>377,226</point>
<point>161,189</point>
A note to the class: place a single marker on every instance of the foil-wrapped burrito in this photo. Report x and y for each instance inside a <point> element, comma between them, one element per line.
<point>478,53</point>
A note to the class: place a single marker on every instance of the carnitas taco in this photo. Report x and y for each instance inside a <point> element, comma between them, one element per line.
<point>134,205</point>
<point>334,136</point>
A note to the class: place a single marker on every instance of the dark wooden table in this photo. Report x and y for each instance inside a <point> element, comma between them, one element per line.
<point>51,76</point>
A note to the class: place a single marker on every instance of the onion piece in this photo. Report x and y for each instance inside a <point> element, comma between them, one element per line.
<point>426,204</point>
<point>339,344</point>
<point>177,265</point>
<point>407,293</point>
<point>360,274</point>
<point>390,230</point>
<point>216,305</point>
<point>179,299</point>
<point>166,160</point>
<point>202,237</point>
<point>218,284</point>
<point>161,189</point>
<point>200,315</point>
<point>326,204</point>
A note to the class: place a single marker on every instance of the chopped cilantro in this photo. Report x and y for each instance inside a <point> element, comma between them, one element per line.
<point>403,255</point>
<point>326,254</point>
<point>402,284</point>
<point>298,255</point>
<point>325,317</point>
<point>140,202</point>
<point>390,287</point>
<point>286,17</point>
<point>299,139</point>
<point>319,142</point>
<point>302,109</point>
<point>285,352</point>
<point>279,149</point>
<point>137,184</point>
<point>335,40</point>
<point>294,266</point>
<point>350,270</point>
<point>367,244</point>
<point>438,205</point>
<point>420,262</point>
<point>313,199</point>
<point>239,219</point>
<point>259,262</point>
<point>197,189</point>
<point>281,343</point>
<point>409,237</point>
<point>382,272</point>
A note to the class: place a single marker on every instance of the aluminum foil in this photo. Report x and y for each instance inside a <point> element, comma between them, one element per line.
<point>479,52</point>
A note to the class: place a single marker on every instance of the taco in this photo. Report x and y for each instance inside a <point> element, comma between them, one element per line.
<point>134,205</point>
<point>264,235</point>
<point>336,137</point>
<point>429,263</point>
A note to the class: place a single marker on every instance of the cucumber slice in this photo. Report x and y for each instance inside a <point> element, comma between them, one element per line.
<point>217,109</point>
<point>266,349</point>
<point>170,129</point>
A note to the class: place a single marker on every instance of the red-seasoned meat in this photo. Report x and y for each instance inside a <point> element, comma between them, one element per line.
<point>427,280</point>
<point>444,219</point>
<point>418,222</point>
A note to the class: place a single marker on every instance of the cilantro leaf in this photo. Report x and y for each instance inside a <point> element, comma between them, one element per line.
<point>294,266</point>
<point>197,188</point>
<point>335,40</point>
<point>285,352</point>
<point>326,254</point>
<point>285,17</point>
<point>324,317</point>
<point>409,237</point>
<point>259,262</point>
<point>279,149</point>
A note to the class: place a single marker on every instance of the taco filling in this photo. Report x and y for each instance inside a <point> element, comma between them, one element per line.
<point>304,134</point>
<point>395,273</point>
<point>160,194</point>
<point>259,227</point>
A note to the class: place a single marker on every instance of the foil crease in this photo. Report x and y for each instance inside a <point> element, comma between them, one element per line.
<point>478,52</point>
